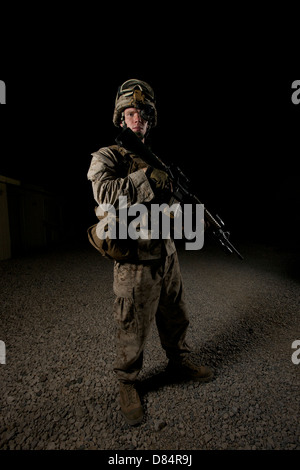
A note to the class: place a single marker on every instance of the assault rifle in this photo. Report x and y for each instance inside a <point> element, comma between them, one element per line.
<point>180,185</point>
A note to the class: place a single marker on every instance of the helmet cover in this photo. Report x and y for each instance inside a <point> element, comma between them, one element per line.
<point>135,94</point>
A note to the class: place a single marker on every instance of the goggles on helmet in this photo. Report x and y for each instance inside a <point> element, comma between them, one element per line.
<point>133,88</point>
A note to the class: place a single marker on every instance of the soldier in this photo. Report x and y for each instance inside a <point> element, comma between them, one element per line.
<point>147,278</point>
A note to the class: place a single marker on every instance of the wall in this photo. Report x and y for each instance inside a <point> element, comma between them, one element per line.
<point>30,218</point>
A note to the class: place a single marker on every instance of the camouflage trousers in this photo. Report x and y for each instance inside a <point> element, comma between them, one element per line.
<point>145,292</point>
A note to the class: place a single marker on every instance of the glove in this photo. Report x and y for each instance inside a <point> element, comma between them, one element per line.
<point>136,163</point>
<point>159,179</point>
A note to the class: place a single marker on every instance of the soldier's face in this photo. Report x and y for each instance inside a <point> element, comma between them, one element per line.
<point>135,122</point>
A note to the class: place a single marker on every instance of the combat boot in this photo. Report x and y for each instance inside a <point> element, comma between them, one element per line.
<point>186,369</point>
<point>131,407</point>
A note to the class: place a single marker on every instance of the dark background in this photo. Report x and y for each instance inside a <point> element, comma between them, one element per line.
<point>225,115</point>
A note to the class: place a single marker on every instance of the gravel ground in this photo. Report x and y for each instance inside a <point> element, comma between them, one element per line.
<point>58,390</point>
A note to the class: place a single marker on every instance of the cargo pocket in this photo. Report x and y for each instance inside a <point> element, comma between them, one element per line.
<point>125,313</point>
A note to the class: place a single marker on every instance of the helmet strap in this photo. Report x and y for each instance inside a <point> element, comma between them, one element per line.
<point>124,125</point>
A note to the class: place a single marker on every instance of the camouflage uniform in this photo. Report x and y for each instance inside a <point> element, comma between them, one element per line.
<point>152,286</point>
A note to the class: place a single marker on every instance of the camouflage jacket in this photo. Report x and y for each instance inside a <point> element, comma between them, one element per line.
<point>114,172</point>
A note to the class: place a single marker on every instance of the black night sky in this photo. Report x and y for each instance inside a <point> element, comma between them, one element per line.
<point>226,119</point>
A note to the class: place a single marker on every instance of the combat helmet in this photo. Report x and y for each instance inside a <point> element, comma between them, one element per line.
<point>135,94</point>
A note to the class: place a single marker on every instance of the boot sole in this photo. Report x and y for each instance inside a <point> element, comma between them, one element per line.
<point>202,379</point>
<point>132,422</point>
<point>186,377</point>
